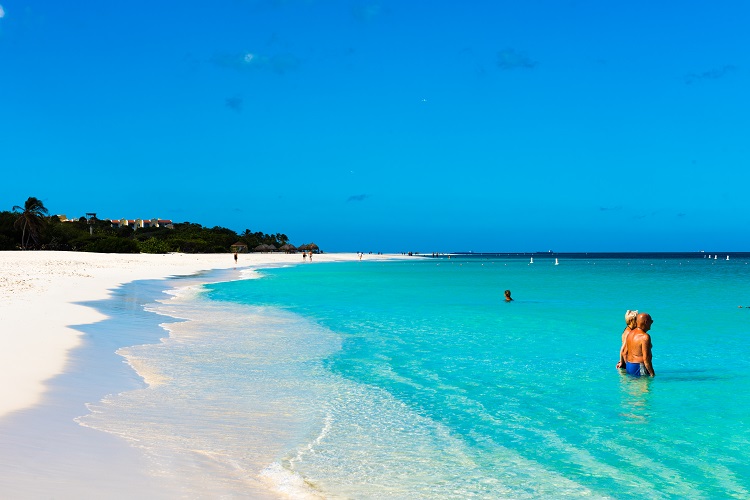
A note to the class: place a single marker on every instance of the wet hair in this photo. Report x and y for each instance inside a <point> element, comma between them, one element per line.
<point>630,317</point>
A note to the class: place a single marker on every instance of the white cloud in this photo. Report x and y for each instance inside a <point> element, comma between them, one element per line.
<point>278,63</point>
<point>514,59</point>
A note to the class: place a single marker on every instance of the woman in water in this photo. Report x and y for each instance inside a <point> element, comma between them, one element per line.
<point>630,317</point>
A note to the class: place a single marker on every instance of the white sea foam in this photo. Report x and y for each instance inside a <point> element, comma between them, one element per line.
<point>288,483</point>
<point>228,385</point>
<point>250,274</point>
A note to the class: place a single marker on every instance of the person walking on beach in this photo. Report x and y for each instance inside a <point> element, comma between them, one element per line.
<point>508,298</point>
<point>630,317</point>
<point>235,258</point>
<point>638,348</point>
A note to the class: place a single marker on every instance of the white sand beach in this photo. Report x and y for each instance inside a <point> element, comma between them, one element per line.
<point>44,452</point>
<point>39,292</point>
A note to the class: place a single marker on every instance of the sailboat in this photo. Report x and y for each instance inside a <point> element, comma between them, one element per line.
<point>531,261</point>
<point>727,257</point>
<point>557,262</point>
<point>716,256</point>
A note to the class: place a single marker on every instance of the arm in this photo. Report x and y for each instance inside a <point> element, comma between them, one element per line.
<point>646,349</point>
<point>623,350</point>
<point>623,354</point>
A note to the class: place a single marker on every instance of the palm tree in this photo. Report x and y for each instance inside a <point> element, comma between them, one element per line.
<point>30,220</point>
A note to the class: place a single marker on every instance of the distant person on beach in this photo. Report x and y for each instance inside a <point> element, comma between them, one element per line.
<point>630,323</point>
<point>638,348</point>
<point>235,258</point>
<point>508,298</point>
<point>304,255</point>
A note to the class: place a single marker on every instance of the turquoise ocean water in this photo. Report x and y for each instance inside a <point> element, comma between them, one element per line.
<point>413,379</point>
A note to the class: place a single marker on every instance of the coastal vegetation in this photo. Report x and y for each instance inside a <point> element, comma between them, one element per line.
<point>30,219</point>
<point>31,227</point>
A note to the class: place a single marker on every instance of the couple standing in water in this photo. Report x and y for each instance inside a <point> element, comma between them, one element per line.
<point>635,353</point>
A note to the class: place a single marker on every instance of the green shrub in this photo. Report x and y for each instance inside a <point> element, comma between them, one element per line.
<point>111,244</point>
<point>152,245</point>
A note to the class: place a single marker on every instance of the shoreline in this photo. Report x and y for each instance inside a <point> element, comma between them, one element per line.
<point>41,296</point>
<point>202,436</point>
<point>166,318</point>
<point>58,355</point>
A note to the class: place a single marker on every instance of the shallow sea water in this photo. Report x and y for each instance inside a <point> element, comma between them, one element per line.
<point>414,379</point>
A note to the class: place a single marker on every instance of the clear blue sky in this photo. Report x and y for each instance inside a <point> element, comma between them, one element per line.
<point>388,125</point>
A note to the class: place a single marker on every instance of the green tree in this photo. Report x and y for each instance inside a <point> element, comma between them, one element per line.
<point>31,219</point>
<point>8,233</point>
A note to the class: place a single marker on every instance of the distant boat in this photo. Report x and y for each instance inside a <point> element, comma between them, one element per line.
<point>531,261</point>
<point>727,257</point>
<point>716,256</point>
<point>557,262</point>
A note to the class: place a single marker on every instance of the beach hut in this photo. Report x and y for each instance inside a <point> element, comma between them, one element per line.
<point>312,247</point>
<point>239,247</point>
<point>265,248</point>
<point>288,248</point>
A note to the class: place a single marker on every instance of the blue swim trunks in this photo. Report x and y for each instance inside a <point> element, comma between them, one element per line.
<point>636,369</point>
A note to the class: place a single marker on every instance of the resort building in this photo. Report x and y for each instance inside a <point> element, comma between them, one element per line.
<point>64,218</point>
<point>141,223</point>
<point>134,223</point>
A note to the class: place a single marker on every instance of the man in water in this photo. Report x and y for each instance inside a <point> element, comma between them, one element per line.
<point>637,352</point>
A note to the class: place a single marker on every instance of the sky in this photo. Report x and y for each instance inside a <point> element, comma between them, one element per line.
<point>388,126</point>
